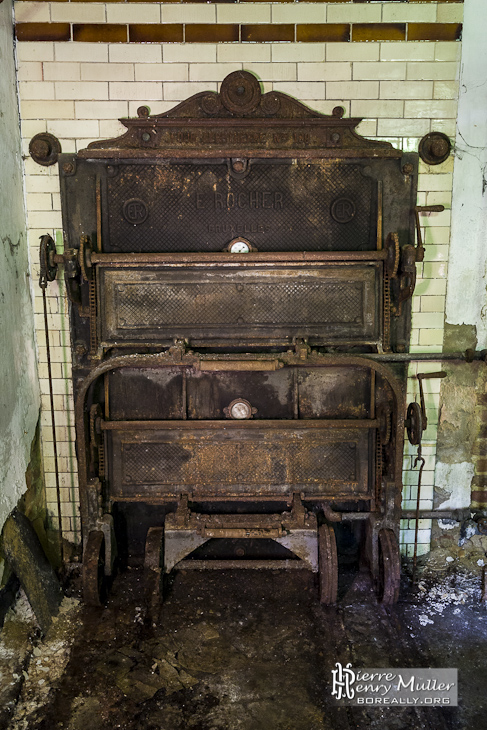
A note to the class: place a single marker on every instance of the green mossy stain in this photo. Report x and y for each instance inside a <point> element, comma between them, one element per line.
<point>459,337</point>
<point>33,504</point>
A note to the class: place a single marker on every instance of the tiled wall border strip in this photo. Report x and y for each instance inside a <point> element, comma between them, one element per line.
<point>228,32</point>
<point>234,2</point>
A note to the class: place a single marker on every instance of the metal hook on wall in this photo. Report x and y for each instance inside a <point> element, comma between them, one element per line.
<point>416,423</point>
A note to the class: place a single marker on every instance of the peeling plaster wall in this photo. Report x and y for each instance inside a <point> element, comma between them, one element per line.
<point>461,467</point>
<point>19,393</point>
<point>466,301</point>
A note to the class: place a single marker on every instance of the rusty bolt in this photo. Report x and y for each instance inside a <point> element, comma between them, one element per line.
<point>80,349</point>
<point>146,136</point>
<point>408,169</point>
<point>335,137</point>
<point>439,147</point>
<point>68,168</point>
<point>240,552</point>
<point>143,111</point>
<point>41,148</point>
<point>238,166</point>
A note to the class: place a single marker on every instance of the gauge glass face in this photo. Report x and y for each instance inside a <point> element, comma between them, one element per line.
<point>239,247</point>
<point>240,410</point>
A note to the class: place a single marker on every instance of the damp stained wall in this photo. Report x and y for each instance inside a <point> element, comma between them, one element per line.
<point>19,393</point>
<point>461,468</point>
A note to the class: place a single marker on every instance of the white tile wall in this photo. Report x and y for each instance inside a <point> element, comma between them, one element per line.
<point>78,91</point>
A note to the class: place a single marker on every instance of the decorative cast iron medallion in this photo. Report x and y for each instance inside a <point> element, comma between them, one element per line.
<point>135,211</point>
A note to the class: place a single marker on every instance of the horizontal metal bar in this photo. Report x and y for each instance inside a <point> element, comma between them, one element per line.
<point>425,356</point>
<point>172,153</point>
<point>239,365</point>
<point>430,208</point>
<point>248,564</point>
<point>459,515</point>
<point>226,258</point>
<point>243,532</point>
<point>208,498</point>
<point>292,425</point>
<point>200,520</point>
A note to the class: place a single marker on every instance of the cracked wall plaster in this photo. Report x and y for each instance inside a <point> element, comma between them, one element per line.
<point>468,252</point>
<point>19,396</point>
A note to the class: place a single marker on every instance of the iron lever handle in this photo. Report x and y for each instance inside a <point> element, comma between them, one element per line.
<point>423,209</point>
<point>421,377</point>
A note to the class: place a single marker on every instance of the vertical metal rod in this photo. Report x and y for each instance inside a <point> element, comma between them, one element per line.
<point>54,441</point>
<point>107,397</point>
<point>379,215</point>
<point>98,214</point>
<point>295,393</point>
<point>184,396</point>
<point>372,394</point>
<point>418,497</point>
<point>93,317</point>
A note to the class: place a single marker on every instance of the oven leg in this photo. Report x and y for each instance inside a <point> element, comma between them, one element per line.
<point>94,580</point>
<point>389,567</point>
<point>153,562</point>
<point>328,564</point>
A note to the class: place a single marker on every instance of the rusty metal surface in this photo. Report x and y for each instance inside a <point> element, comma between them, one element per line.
<point>184,233</point>
<point>154,545</point>
<point>45,148</point>
<point>165,360</point>
<point>94,569</point>
<point>204,392</point>
<point>389,567</point>
<point>241,564</point>
<point>240,459</point>
<point>269,258</point>
<point>434,148</point>
<point>324,221</point>
<point>277,206</point>
<point>328,564</point>
<point>330,304</point>
<point>237,123</point>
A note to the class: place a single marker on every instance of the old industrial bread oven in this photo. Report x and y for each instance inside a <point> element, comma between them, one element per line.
<point>238,266</point>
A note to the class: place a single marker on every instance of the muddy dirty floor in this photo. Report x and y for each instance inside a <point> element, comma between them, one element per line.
<point>241,650</point>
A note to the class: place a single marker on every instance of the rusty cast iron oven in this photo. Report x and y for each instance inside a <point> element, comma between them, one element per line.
<point>231,264</point>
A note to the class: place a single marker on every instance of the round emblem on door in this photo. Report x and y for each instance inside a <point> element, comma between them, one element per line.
<point>239,409</point>
<point>135,211</point>
<point>342,210</point>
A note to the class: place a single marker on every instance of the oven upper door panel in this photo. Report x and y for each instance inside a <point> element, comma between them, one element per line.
<point>336,303</point>
<point>203,206</point>
<point>174,206</point>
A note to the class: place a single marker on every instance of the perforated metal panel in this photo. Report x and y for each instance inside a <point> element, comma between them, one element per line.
<point>333,303</point>
<point>240,460</point>
<point>277,207</point>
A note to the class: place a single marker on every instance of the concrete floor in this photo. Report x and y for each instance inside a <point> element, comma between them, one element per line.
<point>241,650</point>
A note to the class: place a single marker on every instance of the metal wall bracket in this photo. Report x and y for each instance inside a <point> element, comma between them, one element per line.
<point>45,148</point>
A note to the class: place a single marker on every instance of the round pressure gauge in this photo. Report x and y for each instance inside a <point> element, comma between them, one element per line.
<point>239,245</point>
<point>239,409</point>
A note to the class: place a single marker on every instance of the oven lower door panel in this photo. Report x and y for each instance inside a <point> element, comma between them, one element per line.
<point>255,459</point>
